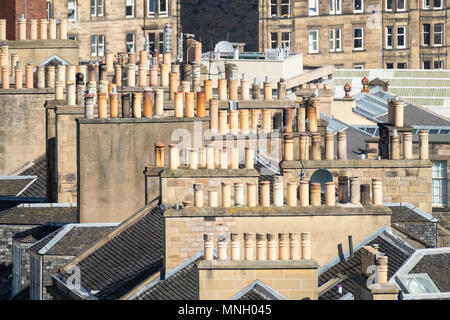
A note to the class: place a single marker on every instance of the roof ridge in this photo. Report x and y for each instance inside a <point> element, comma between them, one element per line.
<point>118,230</point>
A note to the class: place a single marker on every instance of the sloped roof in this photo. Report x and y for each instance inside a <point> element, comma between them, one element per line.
<point>437,266</point>
<point>72,239</point>
<point>258,290</point>
<point>38,189</point>
<point>130,254</point>
<point>12,186</point>
<point>37,214</point>
<point>35,234</point>
<point>179,284</point>
<point>349,269</point>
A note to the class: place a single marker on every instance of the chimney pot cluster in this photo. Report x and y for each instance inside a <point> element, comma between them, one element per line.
<point>270,246</point>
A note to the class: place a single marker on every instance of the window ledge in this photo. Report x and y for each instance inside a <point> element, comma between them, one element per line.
<point>359,50</point>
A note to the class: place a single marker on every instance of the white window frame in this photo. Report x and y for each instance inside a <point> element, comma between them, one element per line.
<point>272,40</point>
<point>441,64</point>
<point>332,43</point>
<point>441,33</point>
<point>386,5</point>
<point>338,6</point>
<point>97,4</point>
<point>425,6</point>
<point>94,44</point>
<point>311,42</point>
<point>335,37</point>
<point>273,4</point>
<point>166,12</point>
<point>429,34</point>
<point>313,7</point>
<point>288,4</point>
<point>391,35</point>
<point>423,64</point>
<point>151,43</point>
<point>362,40</point>
<point>151,13</point>
<point>101,44</point>
<point>437,8</point>
<point>129,42</point>
<point>332,7</point>
<point>358,10</point>
<point>75,11</point>
<point>283,42</point>
<point>338,39</point>
<point>404,5</point>
<point>160,42</point>
<point>133,3</point>
<point>439,180</point>
<point>399,35</point>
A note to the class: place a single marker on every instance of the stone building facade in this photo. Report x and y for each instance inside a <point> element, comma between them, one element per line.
<point>382,34</point>
<point>117,26</point>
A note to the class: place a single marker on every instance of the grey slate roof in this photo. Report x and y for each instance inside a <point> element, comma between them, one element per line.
<point>38,189</point>
<point>25,214</point>
<point>35,234</point>
<point>351,267</point>
<point>417,116</point>
<point>74,242</point>
<point>182,285</point>
<point>405,214</point>
<point>437,266</point>
<point>125,260</point>
<point>253,294</point>
<point>356,143</point>
<point>12,186</point>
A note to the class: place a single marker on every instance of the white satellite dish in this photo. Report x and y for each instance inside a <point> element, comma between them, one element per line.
<point>223,46</point>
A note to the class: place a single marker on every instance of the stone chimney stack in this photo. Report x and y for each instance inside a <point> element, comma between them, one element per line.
<point>329,145</point>
<point>261,247</point>
<point>354,190</point>
<point>283,246</point>
<point>395,146</point>
<point>201,104</point>
<point>377,193</point>
<point>148,104</point>
<point>198,195</point>
<point>256,90</point>
<point>222,89</point>
<point>222,247</point>
<point>423,144</point>
<point>266,125</point>
<point>289,147</point>
<point>239,195</point>
<point>330,193</point>
<point>315,148</point>
<point>365,194</point>
<point>407,145</point>
<point>252,195</point>
<point>208,244</point>
<point>178,106</point>
<point>189,101</point>
<point>342,145</point>
<point>89,105</point>
<point>281,89</point>
<point>159,102</point>
<point>249,246</point>
<point>265,193</point>
<point>315,194</point>
<point>173,157</point>
<point>294,245</point>
<point>235,247</point>
<point>278,194</point>
<point>212,197</point>
<point>126,105</point>
<point>292,194</point>
<point>306,245</point>
<point>343,189</point>
<point>226,194</point>
<point>159,154</point>
<point>272,246</point>
<point>304,193</point>
<point>267,89</point>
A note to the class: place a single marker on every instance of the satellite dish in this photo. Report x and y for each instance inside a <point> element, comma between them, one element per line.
<point>223,46</point>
